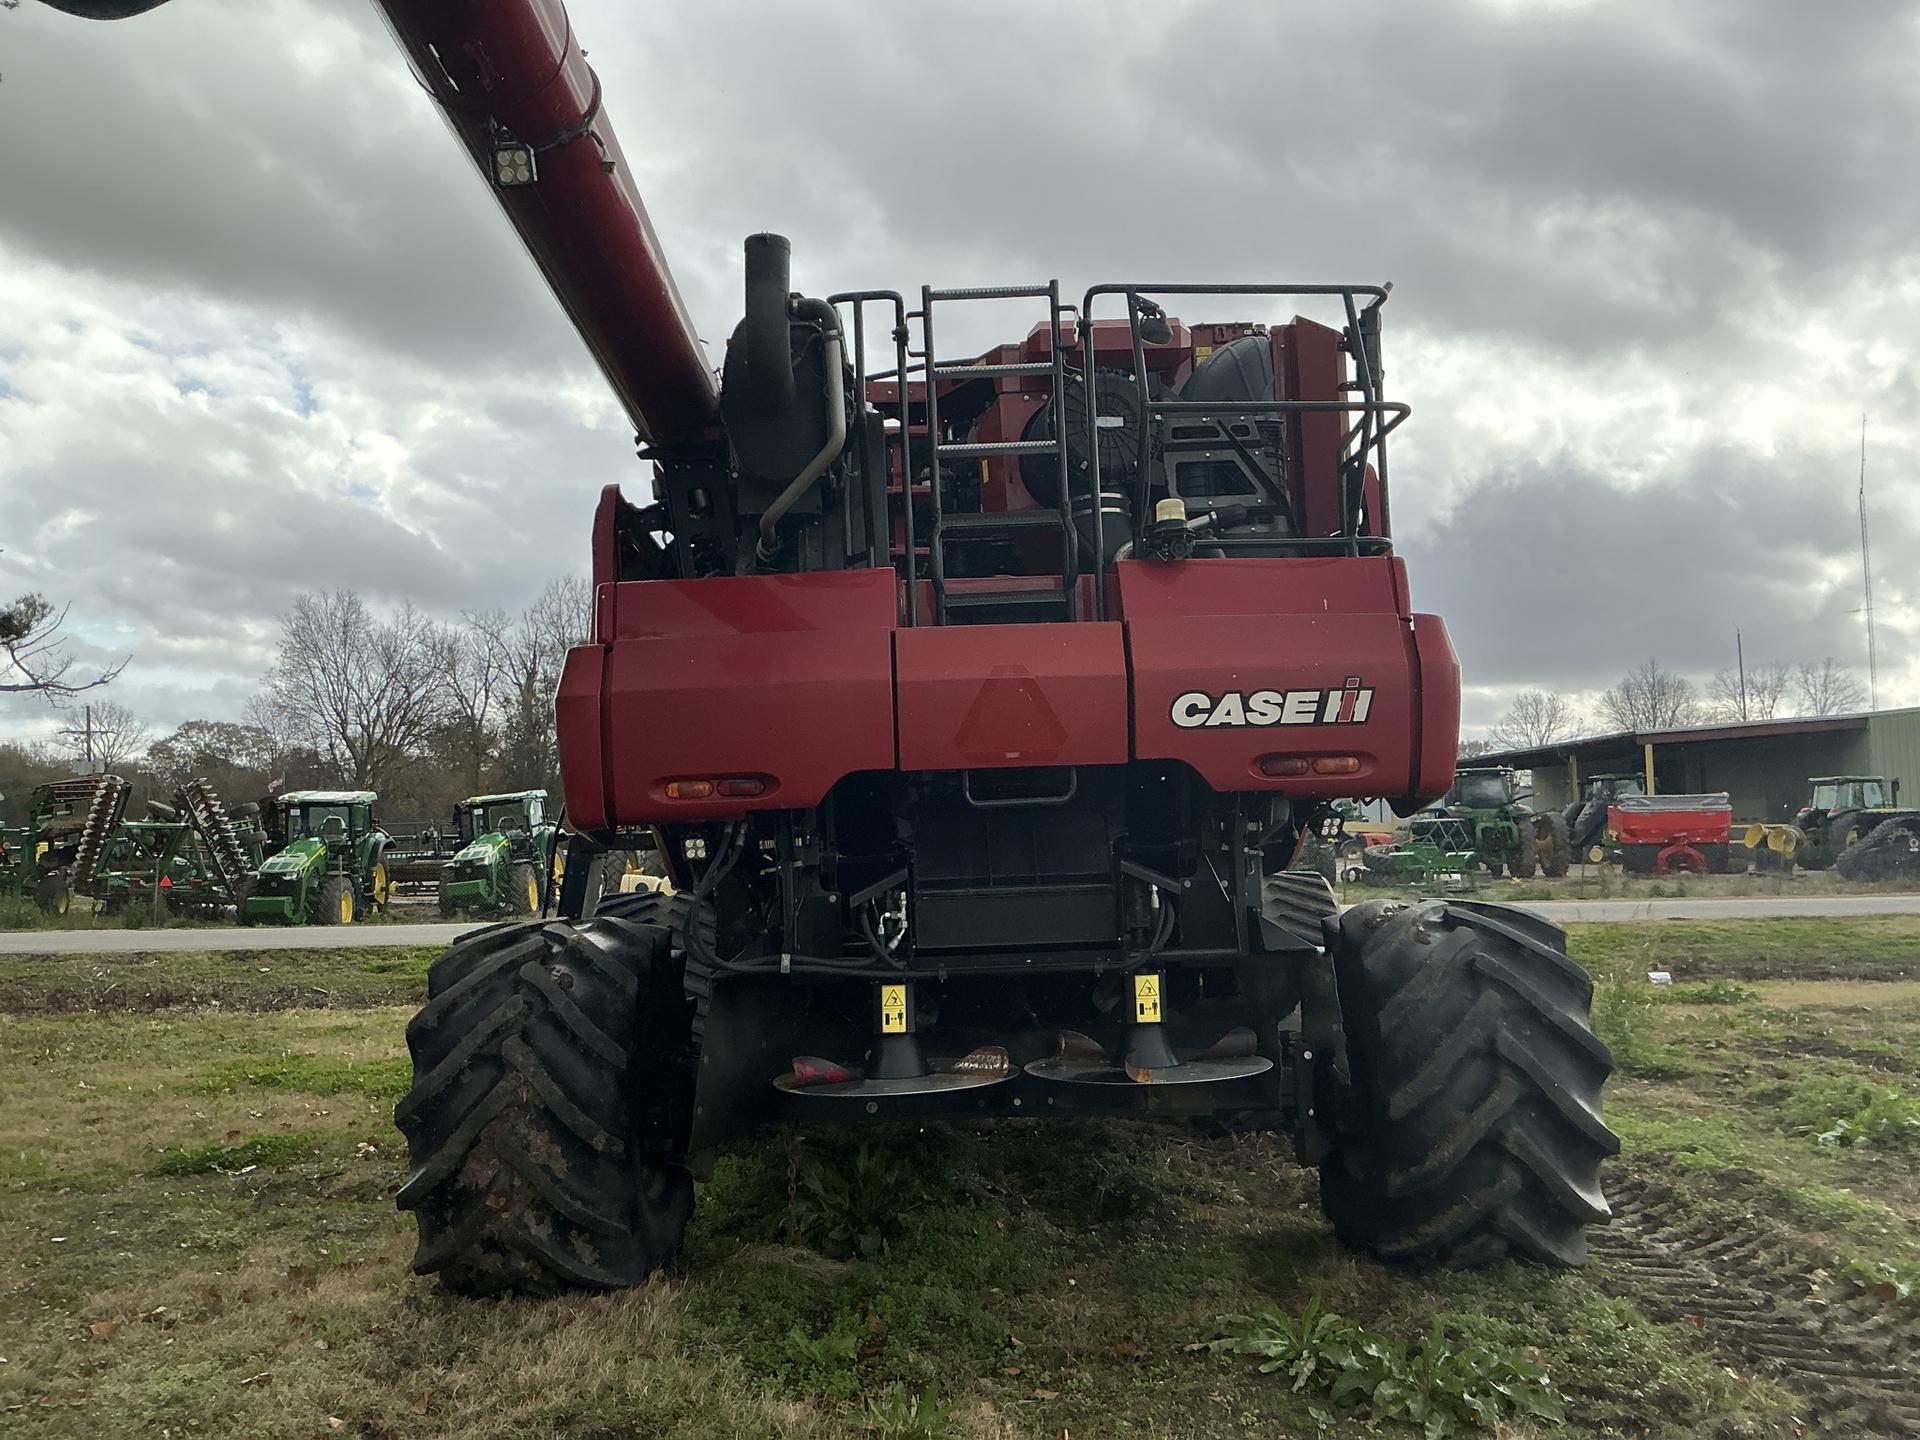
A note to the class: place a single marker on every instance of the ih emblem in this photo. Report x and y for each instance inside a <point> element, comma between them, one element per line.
<point>1346,706</point>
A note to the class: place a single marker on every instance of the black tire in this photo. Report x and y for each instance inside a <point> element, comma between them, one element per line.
<point>1350,862</point>
<point>1492,863</point>
<point>338,904</point>
<point>52,894</point>
<point>1890,851</point>
<point>1476,1089</point>
<point>1298,901</point>
<point>523,890</point>
<point>242,890</point>
<point>1589,829</point>
<point>448,908</point>
<point>1524,858</point>
<point>549,1108</point>
<point>1556,850</point>
<point>1639,859</point>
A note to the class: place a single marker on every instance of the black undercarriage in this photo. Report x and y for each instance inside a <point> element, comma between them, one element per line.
<point>1016,907</point>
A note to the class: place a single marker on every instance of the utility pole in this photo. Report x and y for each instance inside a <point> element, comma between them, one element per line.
<point>84,733</point>
<point>1740,654</point>
<point>1866,576</point>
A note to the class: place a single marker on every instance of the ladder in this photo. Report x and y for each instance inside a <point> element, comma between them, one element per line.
<point>1019,599</point>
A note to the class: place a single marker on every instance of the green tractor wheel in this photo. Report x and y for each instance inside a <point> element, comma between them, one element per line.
<point>337,901</point>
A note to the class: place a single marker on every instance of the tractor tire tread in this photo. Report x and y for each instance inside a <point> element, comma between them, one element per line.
<point>534,1063</point>
<point>1479,1078</point>
<point>1299,902</point>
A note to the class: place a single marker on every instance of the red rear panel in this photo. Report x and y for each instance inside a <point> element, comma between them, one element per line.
<point>1245,664</point>
<point>1000,696</point>
<point>783,679</point>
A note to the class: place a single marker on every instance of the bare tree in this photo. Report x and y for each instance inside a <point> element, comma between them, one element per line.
<point>1650,698</point>
<point>109,736</point>
<point>558,620</point>
<point>1766,691</point>
<point>1830,688</point>
<point>34,658</point>
<point>367,694</point>
<point>1536,717</point>
<point>1474,749</point>
<point>478,658</point>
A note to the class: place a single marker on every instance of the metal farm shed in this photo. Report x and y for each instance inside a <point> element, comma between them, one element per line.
<point>1762,764</point>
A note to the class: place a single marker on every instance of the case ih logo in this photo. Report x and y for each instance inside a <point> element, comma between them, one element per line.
<point>1346,706</point>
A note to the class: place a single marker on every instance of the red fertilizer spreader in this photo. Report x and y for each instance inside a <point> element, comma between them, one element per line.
<point>1659,834</point>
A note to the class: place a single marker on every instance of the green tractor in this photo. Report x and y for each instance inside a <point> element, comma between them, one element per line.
<point>1482,815</point>
<point>1843,810</point>
<point>508,856</point>
<point>333,868</point>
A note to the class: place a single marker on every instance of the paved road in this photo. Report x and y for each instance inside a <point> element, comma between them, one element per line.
<point>322,937</point>
<point>1730,907</point>
<point>258,937</point>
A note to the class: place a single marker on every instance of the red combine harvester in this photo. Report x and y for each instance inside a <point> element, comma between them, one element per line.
<point>1656,834</point>
<point>978,705</point>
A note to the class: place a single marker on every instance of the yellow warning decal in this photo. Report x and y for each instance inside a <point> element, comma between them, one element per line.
<point>1201,352</point>
<point>1146,999</point>
<point>893,1009</point>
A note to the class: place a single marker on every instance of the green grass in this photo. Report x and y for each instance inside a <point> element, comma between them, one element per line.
<point>385,1079</point>
<point>197,1197</point>
<point>252,980</point>
<point>231,1157</point>
<point>1864,947</point>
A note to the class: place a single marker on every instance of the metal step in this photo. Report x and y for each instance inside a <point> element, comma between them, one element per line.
<point>995,292</point>
<point>999,447</point>
<point>992,520</point>
<point>965,371</point>
<point>1024,602</point>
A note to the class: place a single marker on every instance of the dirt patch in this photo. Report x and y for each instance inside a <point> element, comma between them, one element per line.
<point>19,997</point>
<point>1760,1306</point>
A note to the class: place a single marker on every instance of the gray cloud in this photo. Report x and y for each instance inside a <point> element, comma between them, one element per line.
<point>1652,262</point>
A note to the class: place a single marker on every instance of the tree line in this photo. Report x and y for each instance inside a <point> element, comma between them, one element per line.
<point>1652,697</point>
<point>422,711</point>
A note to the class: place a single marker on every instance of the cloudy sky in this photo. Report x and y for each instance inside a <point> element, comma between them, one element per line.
<point>262,330</point>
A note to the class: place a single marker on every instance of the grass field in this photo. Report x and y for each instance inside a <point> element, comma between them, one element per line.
<point>198,1234</point>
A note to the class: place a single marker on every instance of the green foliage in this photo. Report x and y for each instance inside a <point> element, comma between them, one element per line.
<point>282,1149</point>
<point>1623,1016</point>
<point>839,1346</point>
<point>854,1207</point>
<point>1850,1111</point>
<point>1893,1279</point>
<point>1434,1385</point>
<point>902,1414</point>
<point>385,1079</point>
<point>1710,992</point>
